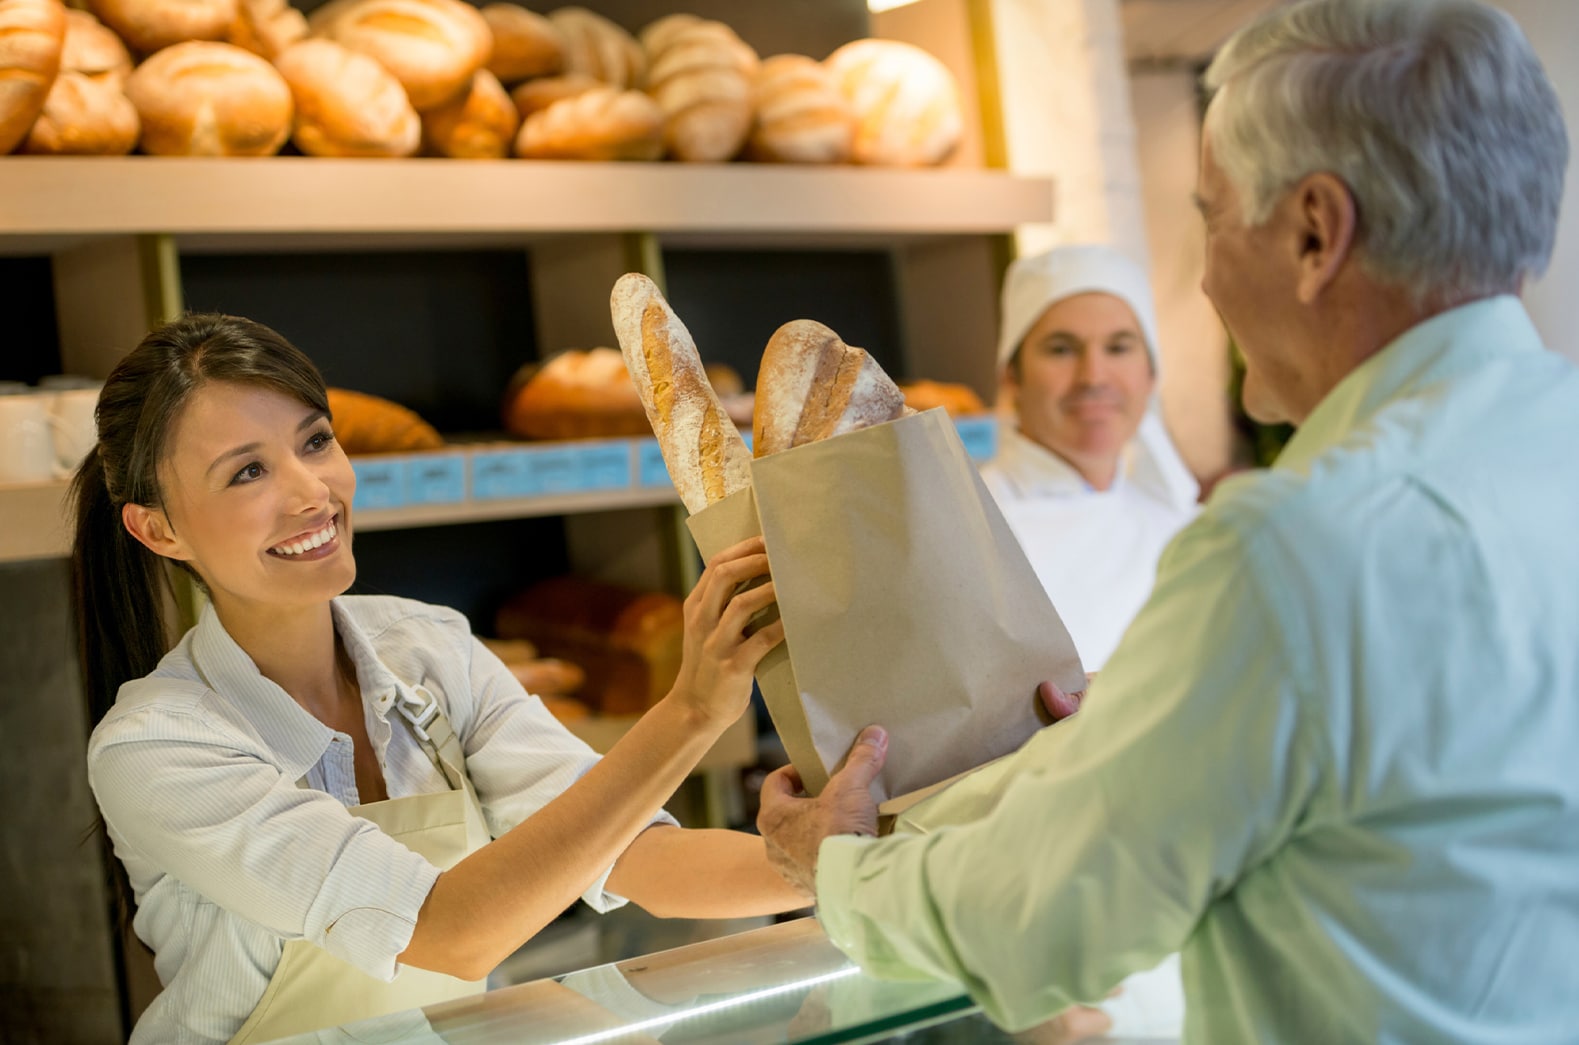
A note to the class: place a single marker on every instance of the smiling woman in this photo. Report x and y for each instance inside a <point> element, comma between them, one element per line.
<point>333,807</point>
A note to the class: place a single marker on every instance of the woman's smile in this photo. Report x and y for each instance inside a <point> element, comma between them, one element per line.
<point>311,545</point>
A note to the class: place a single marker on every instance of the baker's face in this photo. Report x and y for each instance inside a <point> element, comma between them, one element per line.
<point>1083,379</point>
<point>1248,281</point>
<point>257,498</point>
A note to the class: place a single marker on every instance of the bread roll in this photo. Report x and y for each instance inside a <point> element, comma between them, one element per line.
<point>479,125</point>
<point>706,457</point>
<point>576,395</point>
<point>32,37</point>
<point>598,48</point>
<point>94,50</point>
<point>433,47</point>
<point>599,124</point>
<point>148,25</point>
<point>207,99</point>
<point>525,44</point>
<point>367,424</point>
<point>700,74</point>
<point>346,103</point>
<point>905,102</point>
<point>656,35</point>
<point>83,117</point>
<point>800,115</point>
<point>958,400</point>
<point>812,386</point>
<point>267,27</point>
<point>537,95</point>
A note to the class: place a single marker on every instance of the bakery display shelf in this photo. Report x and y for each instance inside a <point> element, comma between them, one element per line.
<point>297,202</point>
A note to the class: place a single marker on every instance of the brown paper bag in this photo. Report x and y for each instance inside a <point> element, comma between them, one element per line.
<point>906,600</point>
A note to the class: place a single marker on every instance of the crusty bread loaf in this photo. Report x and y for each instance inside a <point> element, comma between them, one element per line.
<point>537,95</point>
<point>812,386</point>
<point>83,117</point>
<point>480,124</point>
<point>432,46</point>
<point>93,50</point>
<point>706,457</point>
<point>958,400</point>
<point>575,395</point>
<point>800,115</point>
<point>700,74</point>
<point>346,103</point>
<point>525,44</point>
<point>598,48</point>
<point>629,642</point>
<point>148,25</point>
<point>208,99</point>
<point>905,102</point>
<point>600,124</point>
<point>368,424</point>
<point>32,37</point>
<point>267,27</point>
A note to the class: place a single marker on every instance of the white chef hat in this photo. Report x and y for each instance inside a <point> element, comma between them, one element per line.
<point>1035,284</point>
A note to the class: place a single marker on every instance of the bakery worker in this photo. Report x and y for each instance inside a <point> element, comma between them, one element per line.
<point>1088,479</point>
<point>331,807</point>
<point>1332,759</point>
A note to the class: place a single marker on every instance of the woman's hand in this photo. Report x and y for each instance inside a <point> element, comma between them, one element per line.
<point>719,656</point>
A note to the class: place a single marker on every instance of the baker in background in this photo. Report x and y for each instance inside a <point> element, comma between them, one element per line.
<point>1332,758</point>
<point>1088,480</point>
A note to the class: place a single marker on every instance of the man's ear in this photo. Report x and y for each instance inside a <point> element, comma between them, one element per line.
<point>152,529</point>
<point>1326,220</point>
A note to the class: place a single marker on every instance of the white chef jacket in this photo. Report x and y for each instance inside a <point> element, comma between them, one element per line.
<point>196,767</point>
<point>1095,551</point>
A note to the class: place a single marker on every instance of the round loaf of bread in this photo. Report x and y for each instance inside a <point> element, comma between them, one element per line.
<point>93,50</point>
<point>600,124</point>
<point>32,37</point>
<point>905,102</point>
<point>957,399</point>
<point>800,115</point>
<point>210,99</point>
<point>148,25</point>
<point>432,46</point>
<point>525,44</point>
<point>700,74</point>
<point>537,95</point>
<point>598,48</point>
<point>577,395</point>
<point>267,27</point>
<point>479,125</point>
<point>83,117</point>
<point>346,103</point>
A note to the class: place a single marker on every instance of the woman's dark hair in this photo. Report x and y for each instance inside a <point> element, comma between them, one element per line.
<point>118,584</point>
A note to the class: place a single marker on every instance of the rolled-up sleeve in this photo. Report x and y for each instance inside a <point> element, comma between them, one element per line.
<point>1118,828</point>
<point>230,827</point>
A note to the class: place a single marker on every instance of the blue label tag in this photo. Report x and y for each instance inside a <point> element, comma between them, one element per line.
<point>499,474</point>
<point>650,469</point>
<point>379,483</point>
<point>436,479</point>
<point>980,436</point>
<point>606,466</point>
<point>552,471</point>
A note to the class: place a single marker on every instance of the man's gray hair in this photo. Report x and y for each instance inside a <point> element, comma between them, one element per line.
<point>1435,113</point>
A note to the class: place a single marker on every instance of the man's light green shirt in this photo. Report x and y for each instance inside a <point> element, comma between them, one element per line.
<point>1335,760</point>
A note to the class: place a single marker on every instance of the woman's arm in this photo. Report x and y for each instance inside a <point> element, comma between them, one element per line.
<point>676,873</point>
<point>491,902</point>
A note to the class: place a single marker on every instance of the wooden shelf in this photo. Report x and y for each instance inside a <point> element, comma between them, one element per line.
<point>49,203</point>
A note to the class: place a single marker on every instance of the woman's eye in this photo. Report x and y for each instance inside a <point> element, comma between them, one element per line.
<point>320,440</point>
<point>248,474</point>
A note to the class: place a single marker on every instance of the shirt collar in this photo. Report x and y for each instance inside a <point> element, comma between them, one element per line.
<point>1038,472</point>
<point>294,735</point>
<point>1444,346</point>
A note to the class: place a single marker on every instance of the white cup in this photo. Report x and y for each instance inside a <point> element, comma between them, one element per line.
<point>27,444</point>
<point>74,429</point>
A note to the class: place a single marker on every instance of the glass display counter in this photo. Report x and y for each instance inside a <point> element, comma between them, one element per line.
<point>782,983</point>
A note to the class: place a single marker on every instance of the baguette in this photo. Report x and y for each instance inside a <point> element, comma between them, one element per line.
<point>706,457</point>
<point>32,38</point>
<point>812,386</point>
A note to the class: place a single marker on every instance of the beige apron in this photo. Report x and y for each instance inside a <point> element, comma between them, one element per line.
<point>311,988</point>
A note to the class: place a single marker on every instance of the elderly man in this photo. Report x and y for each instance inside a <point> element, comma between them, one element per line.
<point>1333,760</point>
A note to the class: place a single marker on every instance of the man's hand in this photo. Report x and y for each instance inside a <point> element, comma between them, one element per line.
<point>1059,704</point>
<point>794,826</point>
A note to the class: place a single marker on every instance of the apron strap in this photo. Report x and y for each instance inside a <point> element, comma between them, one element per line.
<point>435,735</point>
